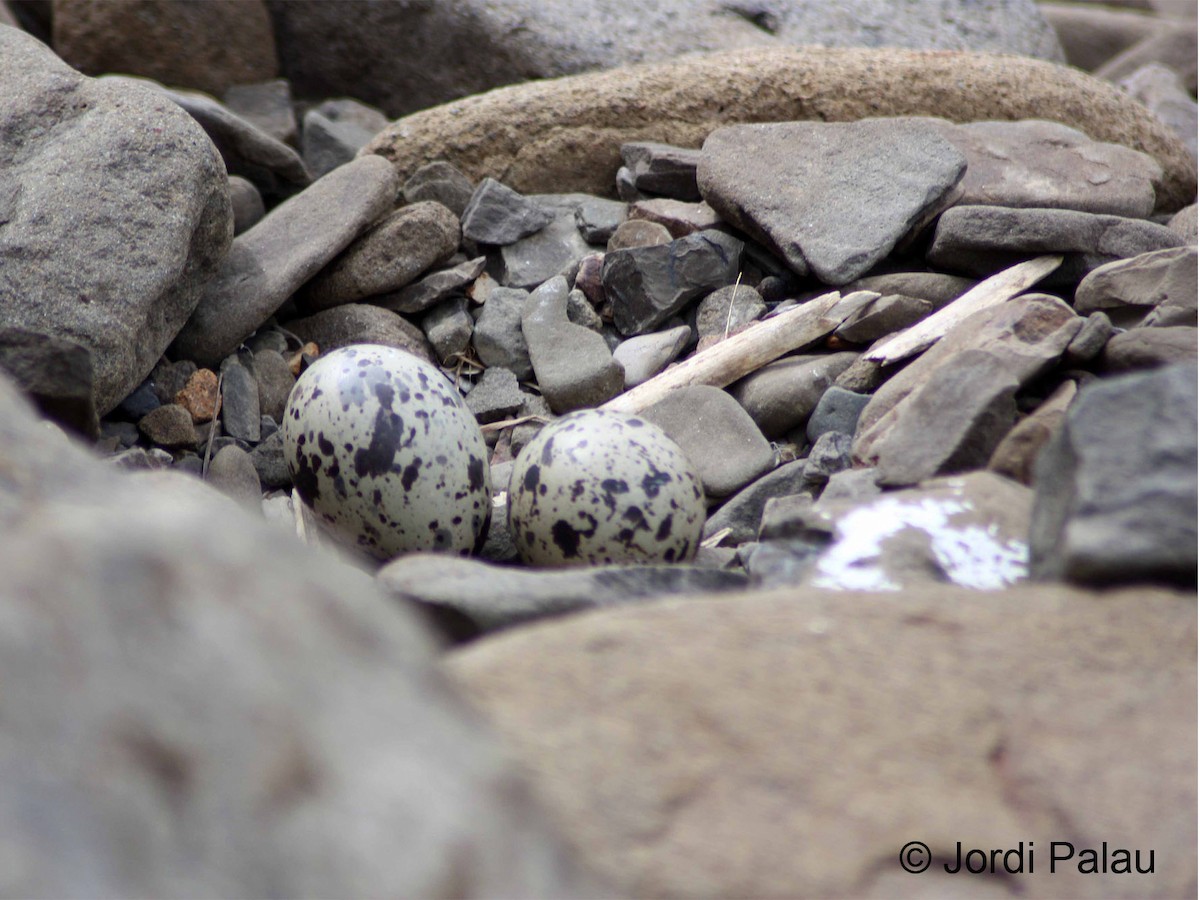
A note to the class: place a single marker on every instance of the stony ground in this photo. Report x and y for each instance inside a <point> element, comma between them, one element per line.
<point>923,323</point>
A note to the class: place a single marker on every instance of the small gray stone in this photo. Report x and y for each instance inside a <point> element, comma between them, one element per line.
<point>433,288</point>
<point>837,410</point>
<point>1135,286</point>
<point>728,310</point>
<point>574,367</point>
<point>663,169</point>
<point>441,182</point>
<point>828,456</point>
<point>555,250</point>
<point>742,513</point>
<point>488,598</point>
<point>169,378</point>
<point>1161,91</point>
<point>883,316</point>
<point>581,312</point>
<point>240,407</point>
<point>1148,348</point>
<point>270,462</point>
<point>495,396</point>
<point>648,285</point>
<point>781,396</point>
<point>247,202</point>
<point>449,327</point>
<point>347,110</point>
<point>498,215</point>
<point>645,355</point>
<point>275,382</point>
<point>267,105</point>
<point>140,402</point>
<point>852,484</point>
<point>232,472</point>
<point>833,197</point>
<point>169,426</point>
<point>498,338</point>
<point>597,218</point>
<point>985,239</point>
<point>326,144</point>
<point>361,323</point>
<point>678,217</point>
<point>386,258</point>
<point>1116,486</point>
<point>952,423</point>
<point>626,186</point>
<point>1089,341</point>
<point>716,435</point>
<point>268,263</point>
<point>638,233</point>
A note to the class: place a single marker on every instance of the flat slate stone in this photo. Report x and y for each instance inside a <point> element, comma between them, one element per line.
<point>1116,486</point>
<point>433,288</point>
<point>496,214</point>
<point>663,169</point>
<point>983,240</point>
<point>471,598</point>
<point>498,338</point>
<point>883,316</point>
<point>1149,348</point>
<point>495,396</point>
<point>1161,278</point>
<point>716,435</point>
<point>554,250</point>
<point>837,410</point>
<point>449,327</point>
<point>268,263</point>
<point>442,182</point>
<point>742,512</point>
<point>648,285</point>
<point>833,198</point>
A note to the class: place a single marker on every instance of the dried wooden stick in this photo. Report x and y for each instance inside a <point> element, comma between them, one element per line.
<point>999,288</point>
<point>746,352</point>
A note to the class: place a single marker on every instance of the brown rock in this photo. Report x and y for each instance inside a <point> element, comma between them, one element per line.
<point>169,426</point>
<point>565,134</point>
<point>678,216</point>
<point>207,46</point>
<point>200,396</point>
<point>1016,454</point>
<point>789,744</point>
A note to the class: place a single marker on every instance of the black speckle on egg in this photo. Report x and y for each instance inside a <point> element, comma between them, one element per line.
<point>566,538</point>
<point>376,458</point>
<point>410,474</point>
<point>664,529</point>
<point>325,445</point>
<point>532,474</point>
<point>475,473</point>
<point>653,482</point>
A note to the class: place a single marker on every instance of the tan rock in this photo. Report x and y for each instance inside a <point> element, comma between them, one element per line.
<point>200,397</point>
<point>1017,452</point>
<point>790,744</point>
<point>565,134</point>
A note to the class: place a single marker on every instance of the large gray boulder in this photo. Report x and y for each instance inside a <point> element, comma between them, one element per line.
<point>116,213</point>
<point>409,56</point>
<point>197,705</point>
<point>1116,485</point>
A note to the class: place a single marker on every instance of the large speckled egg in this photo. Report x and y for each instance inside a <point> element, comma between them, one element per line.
<point>600,487</point>
<point>381,446</point>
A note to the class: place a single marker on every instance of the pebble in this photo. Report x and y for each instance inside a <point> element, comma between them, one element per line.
<point>1015,456</point>
<point>677,216</point>
<point>742,512</point>
<point>644,356</point>
<point>498,215</point>
<point>598,218</point>
<point>573,365</point>
<point>267,105</point>
<point>499,339</point>
<point>56,374</point>
<point>663,169</point>
<point>1148,348</point>
<point>240,409</point>
<point>1140,285</point>
<point>717,436</point>
<point>837,411</point>
<point>495,396</point>
<point>247,202</point>
<point>883,316</point>
<point>440,182</point>
<point>638,233</point>
<point>270,463</point>
<point>782,395</point>
<point>648,285</point>
<point>275,381</point>
<point>232,472</point>
<point>829,455</point>
<point>169,426</point>
<point>433,288</point>
<point>361,323</point>
<point>534,260</point>
<point>727,311</point>
<point>1089,340</point>
<point>200,397</point>
<point>448,326</point>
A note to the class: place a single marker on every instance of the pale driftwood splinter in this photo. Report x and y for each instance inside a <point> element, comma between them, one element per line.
<point>1000,288</point>
<point>746,352</point>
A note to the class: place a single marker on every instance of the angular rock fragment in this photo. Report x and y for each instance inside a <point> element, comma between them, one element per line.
<point>498,215</point>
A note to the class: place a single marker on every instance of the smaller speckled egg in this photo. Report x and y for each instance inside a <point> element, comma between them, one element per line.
<point>381,446</point>
<point>601,487</point>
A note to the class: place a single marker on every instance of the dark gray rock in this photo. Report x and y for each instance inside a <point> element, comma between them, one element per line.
<point>883,316</point>
<point>779,564</point>
<point>241,413</point>
<point>952,423</point>
<point>56,374</point>
<point>663,169</point>
<point>837,410</point>
<point>781,396</point>
<point>270,463</point>
<point>716,435</point>
<point>169,426</point>
<point>833,198</point>
<point>125,434</point>
<point>1148,348</point>
<point>727,311</point>
<point>116,212</point>
<point>597,218</point>
<point>742,513</point>
<point>472,598</point>
<point>498,338</point>
<point>555,250</point>
<point>267,105</point>
<point>441,182</point>
<point>268,263</point>
<point>495,396</point>
<point>247,202</point>
<point>574,367</point>
<point>169,378</point>
<point>829,455</point>
<point>232,472</point>
<point>335,131</point>
<point>1089,341</point>
<point>448,327</point>
<point>361,323</point>
<point>498,215</point>
<point>275,381</point>
<point>391,254</point>
<point>433,288</point>
<point>141,401</point>
<point>1115,488</point>
<point>648,285</point>
<point>580,312</point>
<point>982,240</point>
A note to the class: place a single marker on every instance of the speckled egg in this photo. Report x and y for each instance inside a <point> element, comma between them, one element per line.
<point>600,487</point>
<point>381,446</point>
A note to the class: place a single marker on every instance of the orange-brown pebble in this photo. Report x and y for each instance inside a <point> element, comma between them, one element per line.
<point>296,360</point>
<point>199,396</point>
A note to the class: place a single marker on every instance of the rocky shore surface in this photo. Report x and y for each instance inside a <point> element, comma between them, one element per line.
<point>912,288</point>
